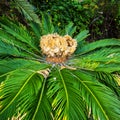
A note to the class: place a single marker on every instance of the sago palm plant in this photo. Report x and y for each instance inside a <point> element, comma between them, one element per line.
<point>50,74</point>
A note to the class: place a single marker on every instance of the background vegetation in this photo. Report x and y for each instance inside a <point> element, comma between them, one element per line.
<point>100,17</point>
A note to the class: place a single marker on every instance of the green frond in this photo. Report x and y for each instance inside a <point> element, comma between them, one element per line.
<point>21,50</point>
<point>42,108</point>
<point>82,63</point>
<point>80,38</point>
<point>18,31</point>
<point>33,100</point>
<point>102,101</point>
<point>106,55</point>
<point>20,88</point>
<point>13,86</point>
<point>86,64</point>
<point>70,29</point>
<point>27,9</point>
<point>98,44</point>
<point>36,29</point>
<point>104,59</point>
<point>7,49</point>
<point>11,39</point>
<point>117,78</point>
<point>67,102</point>
<point>108,67</point>
<point>82,35</point>
<point>9,65</point>
<point>47,26</point>
<point>108,80</point>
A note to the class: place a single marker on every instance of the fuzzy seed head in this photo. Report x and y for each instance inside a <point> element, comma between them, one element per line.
<point>56,46</point>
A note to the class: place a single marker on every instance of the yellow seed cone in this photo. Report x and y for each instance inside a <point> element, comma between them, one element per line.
<point>57,48</point>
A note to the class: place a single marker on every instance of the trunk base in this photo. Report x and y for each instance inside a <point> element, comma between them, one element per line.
<point>56,59</point>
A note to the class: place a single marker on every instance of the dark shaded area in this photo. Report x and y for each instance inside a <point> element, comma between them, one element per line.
<point>8,9</point>
<point>107,20</point>
<point>4,7</point>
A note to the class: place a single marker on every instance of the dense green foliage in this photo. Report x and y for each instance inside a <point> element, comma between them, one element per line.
<point>83,87</point>
<point>100,17</point>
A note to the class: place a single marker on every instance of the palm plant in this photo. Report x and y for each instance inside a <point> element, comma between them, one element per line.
<point>43,79</point>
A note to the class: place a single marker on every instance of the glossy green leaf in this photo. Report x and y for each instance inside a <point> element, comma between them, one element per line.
<point>47,26</point>
<point>25,89</point>
<point>82,35</point>
<point>98,44</point>
<point>67,101</point>
<point>27,9</point>
<point>70,29</point>
<point>103,102</point>
<point>18,31</point>
<point>7,49</point>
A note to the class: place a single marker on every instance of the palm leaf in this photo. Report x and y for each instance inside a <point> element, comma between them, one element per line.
<point>117,78</point>
<point>107,58</point>
<point>13,50</point>
<point>26,43</point>
<point>98,44</point>
<point>108,80</point>
<point>19,31</point>
<point>7,49</point>
<point>43,107</point>
<point>67,102</point>
<point>70,29</point>
<point>103,102</point>
<point>9,65</point>
<point>27,9</point>
<point>9,39</point>
<point>23,51</point>
<point>108,68</point>
<point>33,100</point>
<point>47,26</point>
<point>82,35</point>
<point>36,28</point>
<point>15,86</point>
<point>106,55</point>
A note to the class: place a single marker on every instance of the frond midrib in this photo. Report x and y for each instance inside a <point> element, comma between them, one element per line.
<point>92,95</point>
<point>65,88</point>
<point>17,35</point>
<point>31,53</point>
<point>40,99</point>
<point>27,80</point>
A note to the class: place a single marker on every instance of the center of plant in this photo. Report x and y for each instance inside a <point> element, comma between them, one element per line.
<point>57,48</point>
